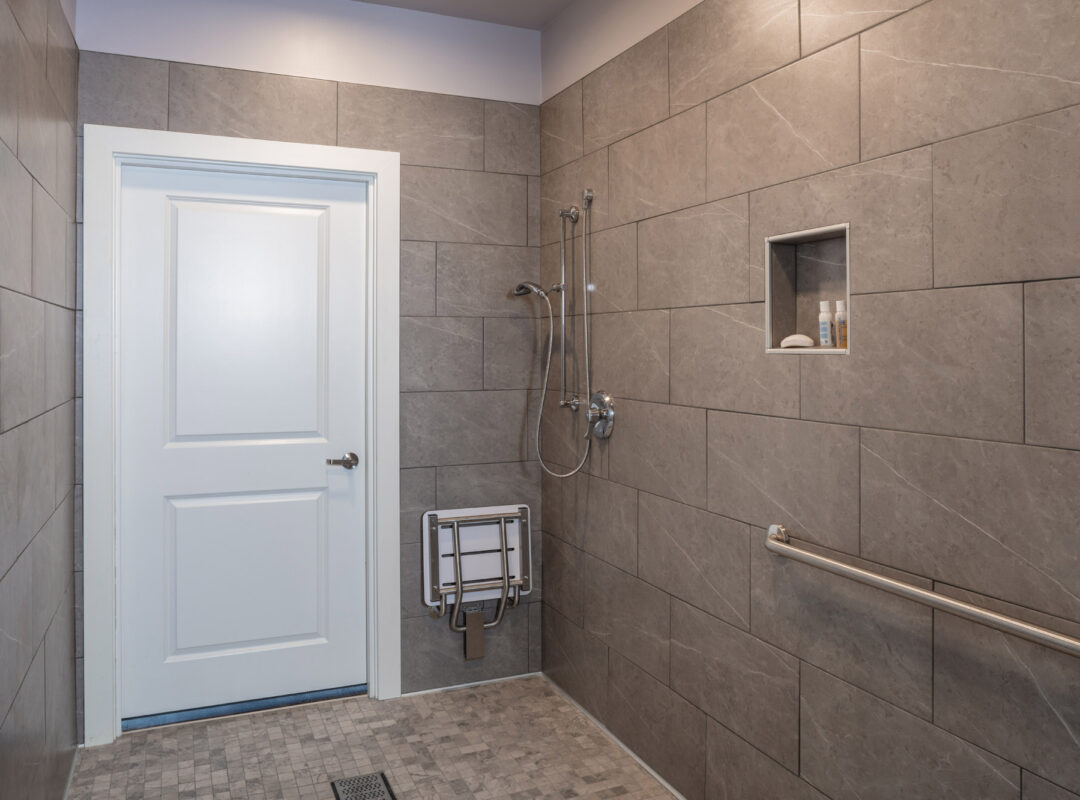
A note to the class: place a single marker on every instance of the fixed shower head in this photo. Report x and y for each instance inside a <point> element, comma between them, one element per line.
<point>528,287</point>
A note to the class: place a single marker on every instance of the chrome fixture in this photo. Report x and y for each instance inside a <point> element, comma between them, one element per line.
<point>349,460</point>
<point>600,409</point>
<point>780,543</point>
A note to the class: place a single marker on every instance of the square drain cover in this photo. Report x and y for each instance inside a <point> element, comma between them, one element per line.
<point>366,787</point>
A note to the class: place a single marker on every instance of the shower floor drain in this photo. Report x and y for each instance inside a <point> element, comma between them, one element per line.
<point>366,787</point>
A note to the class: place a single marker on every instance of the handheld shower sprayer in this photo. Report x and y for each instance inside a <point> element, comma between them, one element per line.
<point>528,287</point>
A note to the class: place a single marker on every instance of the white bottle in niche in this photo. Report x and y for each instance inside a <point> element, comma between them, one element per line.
<point>825,325</point>
<point>841,324</point>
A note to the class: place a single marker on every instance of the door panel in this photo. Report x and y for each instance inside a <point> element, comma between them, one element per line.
<point>241,371</point>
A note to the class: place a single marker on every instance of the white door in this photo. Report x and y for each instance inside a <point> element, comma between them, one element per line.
<point>241,370</point>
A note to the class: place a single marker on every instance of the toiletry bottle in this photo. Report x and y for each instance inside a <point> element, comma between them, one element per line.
<point>841,324</point>
<point>825,325</point>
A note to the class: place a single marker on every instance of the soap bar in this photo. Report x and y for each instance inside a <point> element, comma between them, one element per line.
<point>797,340</point>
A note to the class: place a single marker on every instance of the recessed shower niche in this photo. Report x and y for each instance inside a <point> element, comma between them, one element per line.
<point>802,270</point>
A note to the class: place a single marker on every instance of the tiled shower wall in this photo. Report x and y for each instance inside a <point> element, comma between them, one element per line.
<point>470,196</point>
<point>944,449</point>
<point>38,65</point>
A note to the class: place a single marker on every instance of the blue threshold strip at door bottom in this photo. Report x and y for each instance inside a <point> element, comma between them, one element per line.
<point>227,709</point>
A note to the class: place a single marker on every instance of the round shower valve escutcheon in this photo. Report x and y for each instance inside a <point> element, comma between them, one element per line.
<point>602,414</point>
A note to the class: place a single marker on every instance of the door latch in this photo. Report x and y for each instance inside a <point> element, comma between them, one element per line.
<point>349,460</point>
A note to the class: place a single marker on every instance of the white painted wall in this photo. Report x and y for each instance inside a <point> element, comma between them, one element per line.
<point>589,33</point>
<point>338,40</point>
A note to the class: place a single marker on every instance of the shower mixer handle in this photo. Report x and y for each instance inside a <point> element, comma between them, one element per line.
<point>600,416</point>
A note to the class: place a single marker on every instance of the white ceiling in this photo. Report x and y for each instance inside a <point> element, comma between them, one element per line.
<point>534,14</point>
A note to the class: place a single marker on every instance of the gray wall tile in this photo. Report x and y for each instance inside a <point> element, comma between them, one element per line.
<point>628,615</point>
<point>514,353</point>
<point>736,771</point>
<point>718,360</point>
<point>561,128</point>
<point>16,203</point>
<point>635,348</point>
<point>562,188</point>
<point>661,449</point>
<point>694,257</point>
<point>796,121</point>
<point>27,456</point>
<point>50,268</point>
<point>982,515</point>
<point>959,371</point>
<point>536,637</point>
<point>478,280</point>
<point>1052,363</point>
<point>562,436</point>
<point>412,581</point>
<point>39,115</point>
<point>660,169</point>
<point>475,485</point>
<point>576,661</point>
<point>16,621</point>
<point>62,61</point>
<point>511,138</point>
<point>600,517</point>
<point>628,93</point>
<point>417,496</point>
<point>874,640</point>
<point>123,90</point>
<point>22,369</point>
<point>33,18</point>
<point>443,428</point>
<point>1035,788</point>
<point>699,557</point>
<point>418,279</point>
<point>14,59</point>
<point>661,727</point>
<point>534,211</point>
<point>461,206</point>
<point>947,68</point>
<point>1016,698</point>
<point>888,204</point>
<point>434,130</point>
<point>258,105</point>
<point>564,582</point>
<point>442,353</point>
<point>801,474</point>
<point>59,356</point>
<point>856,746</point>
<point>22,736</point>
<point>614,270</point>
<point>59,699</point>
<point>1014,190</point>
<point>823,22</point>
<point>718,45</point>
<point>732,676</point>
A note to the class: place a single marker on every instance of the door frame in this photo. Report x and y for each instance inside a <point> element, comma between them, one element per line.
<point>106,151</point>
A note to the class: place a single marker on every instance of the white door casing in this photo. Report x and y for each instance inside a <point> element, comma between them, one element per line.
<point>235,478</point>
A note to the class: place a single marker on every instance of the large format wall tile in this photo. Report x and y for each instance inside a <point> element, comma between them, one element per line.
<point>947,361</point>
<point>563,187</point>
<point>442,428</point>
<point>22,736</point>
<point>59,356</point>
<point>601,517</point>
<point>561,129</point>
<point>1014,190</point>
<point>232,102</point>
<point>417,497</point>
<point>441,353</point>
<point>888,204</point>
<point>16,204</point>
<point>16,622</point>
<point>667,732</point>
<point>1035,788</point>
<point>855,746</point>
<point>22,368</point>
<point>870,638</point>
<point>434,130</point>
<point>418,279</point>
<point>955,66</point>
<point>737,771</point>
<point>660,169</point>
<point>123,90</point>
<point>62,62</point>
<point>699,557</point>
<point>576,661</point>
<point>27,477</point>
<point>462,206</point>
<point>990,517</point>
<point>511,138</point>
<point>694,257</point>
<point>39,128</point>
<point>1052,363</point>
<point>1013,697</point>
<point>720,44</point>
<point>660,449</point>
<point>823,22</point>
<point>718,360</point>
<point>614,270</point>
<point>803,475</point>
<point>631,354</point>
<point>797,121</point>
<point>478,280</point>
<point>14,60</point>
<point>628,615</point>
<point>564,586</point>
<point>473,485</point>
<point>628,93</point>
<point>53,277</point>
<point>431,652</point>
<point>514,353</point>
<point>730,675</point>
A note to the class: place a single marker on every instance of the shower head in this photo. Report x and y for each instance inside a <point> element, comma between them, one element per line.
<point>528,287</point>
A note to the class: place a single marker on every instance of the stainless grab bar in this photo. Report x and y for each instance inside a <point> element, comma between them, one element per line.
<point>779,542</point>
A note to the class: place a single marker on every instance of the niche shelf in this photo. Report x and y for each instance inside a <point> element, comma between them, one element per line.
<point>802,269</point>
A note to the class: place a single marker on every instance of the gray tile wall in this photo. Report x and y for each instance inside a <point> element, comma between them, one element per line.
<point>470,233</point>
<point>944,450</point>
<point>38,499</point>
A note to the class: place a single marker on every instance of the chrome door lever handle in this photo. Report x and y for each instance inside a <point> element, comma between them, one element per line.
<point>349,460</point>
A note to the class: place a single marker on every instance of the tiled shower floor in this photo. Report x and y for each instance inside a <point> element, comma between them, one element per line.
<point>511,740</point>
